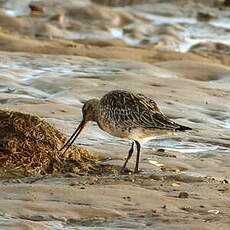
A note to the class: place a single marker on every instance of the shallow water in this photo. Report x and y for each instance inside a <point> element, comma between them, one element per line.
<point>186,147</point>
<point>69,81</point>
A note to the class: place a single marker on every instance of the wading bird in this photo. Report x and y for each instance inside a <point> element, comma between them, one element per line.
<point>126,115</point>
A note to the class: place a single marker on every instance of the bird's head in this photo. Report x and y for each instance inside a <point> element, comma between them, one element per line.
<point>89,110</point>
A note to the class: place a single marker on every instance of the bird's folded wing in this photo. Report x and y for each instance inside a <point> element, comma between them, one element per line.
<point>144,119</point>
<point>130,110</point>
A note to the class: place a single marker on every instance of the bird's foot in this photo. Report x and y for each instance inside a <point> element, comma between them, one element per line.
<point>136,170</point>
<point>125,171</point>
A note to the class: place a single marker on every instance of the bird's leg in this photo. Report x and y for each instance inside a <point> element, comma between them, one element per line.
<point>136,170</point>
<point>128,157</point>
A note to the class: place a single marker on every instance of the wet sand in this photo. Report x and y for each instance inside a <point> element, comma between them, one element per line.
<point>129,202</point>
<point>43,73</point>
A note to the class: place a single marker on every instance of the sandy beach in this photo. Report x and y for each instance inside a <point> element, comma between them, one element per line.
<point>55,55</point>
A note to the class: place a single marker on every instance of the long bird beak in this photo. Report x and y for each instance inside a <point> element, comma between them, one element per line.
<point>74,135</point>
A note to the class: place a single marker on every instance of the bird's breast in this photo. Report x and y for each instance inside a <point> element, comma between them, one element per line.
<point>113,129</point>
<point>146,134</point>
<point>131,133</point>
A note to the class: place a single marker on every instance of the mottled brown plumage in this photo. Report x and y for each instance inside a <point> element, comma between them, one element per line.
<point>127,115</point>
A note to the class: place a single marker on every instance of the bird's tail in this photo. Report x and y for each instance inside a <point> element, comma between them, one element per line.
<point>183,128</point>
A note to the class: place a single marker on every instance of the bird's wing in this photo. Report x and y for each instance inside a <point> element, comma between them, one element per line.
<point>135,110</point>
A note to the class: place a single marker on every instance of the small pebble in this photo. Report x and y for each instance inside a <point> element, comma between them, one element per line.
<point>160,150</point>
<point>36,10</point>
<point>214,211</point>
<point>73,184</point>
<point>225,181</point>
<point>201,16</point>
<point>183,195</point>
<point>127,198</point>
<point>175,184</point>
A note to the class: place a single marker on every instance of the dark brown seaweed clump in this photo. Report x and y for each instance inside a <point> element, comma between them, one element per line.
<point>30,146</point>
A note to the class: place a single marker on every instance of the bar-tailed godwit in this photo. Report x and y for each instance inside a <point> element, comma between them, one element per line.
<point>127,115</point>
